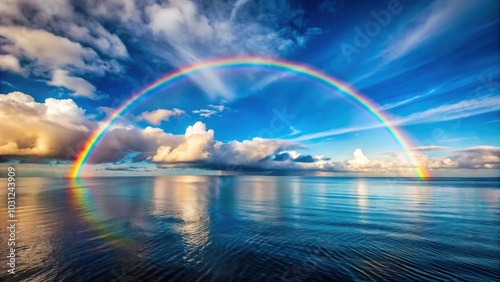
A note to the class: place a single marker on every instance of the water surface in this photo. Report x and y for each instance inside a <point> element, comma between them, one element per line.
<point>256,228</point>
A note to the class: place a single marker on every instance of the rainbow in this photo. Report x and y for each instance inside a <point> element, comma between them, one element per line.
<point>281,65</point>
<point>80,194</point>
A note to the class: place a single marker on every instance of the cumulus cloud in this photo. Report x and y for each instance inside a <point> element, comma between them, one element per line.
<point>51,129</point>
<point>157,116</point>
<point>131,143</point>
<point>195,146</point>
<point>58,128</point>
<point>297,157</point>
<point>198,145</point>
<point>486,157</point>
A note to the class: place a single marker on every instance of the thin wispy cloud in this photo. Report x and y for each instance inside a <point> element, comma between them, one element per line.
<point>439,17</point>
<point>454,140</point>
<point>213,110</point>
<point>404,102</point>
<point>462,109</point>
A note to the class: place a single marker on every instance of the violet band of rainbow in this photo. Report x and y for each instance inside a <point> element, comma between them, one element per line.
<point>287,66</point>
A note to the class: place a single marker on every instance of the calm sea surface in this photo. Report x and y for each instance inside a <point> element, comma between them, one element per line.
<point>253,228</point>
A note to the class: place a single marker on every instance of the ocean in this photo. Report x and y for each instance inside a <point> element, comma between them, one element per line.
<point>253,228</point>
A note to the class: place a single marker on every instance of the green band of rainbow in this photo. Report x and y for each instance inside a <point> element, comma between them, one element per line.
<point>282,65</point>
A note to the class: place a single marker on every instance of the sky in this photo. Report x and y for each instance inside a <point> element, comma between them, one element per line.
<point>431,67</point>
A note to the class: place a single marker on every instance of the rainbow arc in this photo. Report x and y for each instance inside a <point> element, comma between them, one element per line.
<point>267,63</point>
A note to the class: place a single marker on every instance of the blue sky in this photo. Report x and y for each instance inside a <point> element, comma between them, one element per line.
<point>431,66</point>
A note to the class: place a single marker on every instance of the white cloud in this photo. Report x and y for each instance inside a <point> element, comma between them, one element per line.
<point>51,35</point>
<point>404,102</point>
<point>250,152</point>
<point>214,110</point>
<point>57,129</point>
<point>439,17</point>
<point>237,6</point>
<point>50,129</point>
<point>195,147</point>
<point>49,54</point>
<point>100,38</point>
<point>79,86</point>
<point>197,32</point>
<point>462,109</point>
<point>157,116</point>
<point>199,145</point>
<point>46,48</point>
<point>481,157</point>
<point>205,112</point>
<point>294,131</point>
<point>10,63</point>
<point>180,21</point>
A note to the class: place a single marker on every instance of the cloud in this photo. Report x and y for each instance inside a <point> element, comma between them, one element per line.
<point>331,6</point>
<point>131,143</point>
<point>439,17</point>
<point>198,145</point>
<point>52,55</point>
<point>157,116</point>
<point>10,63</point>
<point>481,157</point>
<point>419,149</point>
<point>98,37</point>
<point>79,86</point>
<point>404,102</point>
<point>46,48</point>
<point>126,168</point>
<point>195,146</point>
<point>294,131</point>
<point>84,37</point>
<point>237,6</point>
<point>462,109</point>
<point>53,129</point>
<point>180,21</point>
<point>51,38</point>
<point>196,32</point>
<point>427,148</point>
<point>214,110</point>
<point>57,129</point>
<point>297,157</point>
